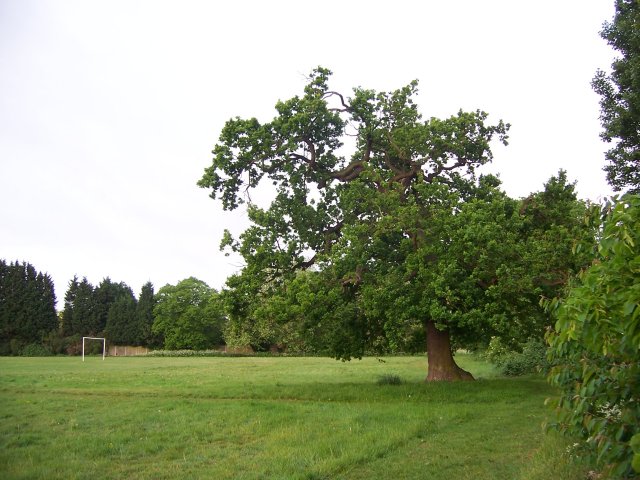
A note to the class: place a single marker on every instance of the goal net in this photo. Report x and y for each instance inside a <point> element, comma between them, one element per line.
<point>104,345</point>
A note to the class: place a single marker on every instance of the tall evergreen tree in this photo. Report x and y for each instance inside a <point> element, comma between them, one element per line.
<point>84,310</point>
<point>620,97</point>
<point>27,305</point>
<point>69,300</point>
<point>122,327</point>
<point>47,318</point>
<point>146,304</point>
<point>105,295</point>
<point>4,294</point>
<point>24,298</point>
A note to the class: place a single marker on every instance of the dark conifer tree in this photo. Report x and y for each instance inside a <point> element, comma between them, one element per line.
<point>620,97</point>
<point>25,299</point>
<point>5,314</point>
<point>146,303</point>
<point>67,313</point>
<point>47,318</point>
<point>15,302</point>
<point>84,310</point>
<point>122,327</point>
<point>105,295</point>
<point>27,306</point>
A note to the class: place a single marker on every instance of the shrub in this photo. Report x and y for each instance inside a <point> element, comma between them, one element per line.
<point>56,342</point>
<point>72,345</point>
<point>531,359</point>
<point>596,346</point>
<point>35,350</point>
<point>497,351</point>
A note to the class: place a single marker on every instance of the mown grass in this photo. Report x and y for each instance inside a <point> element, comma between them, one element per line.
<point>270,418</point>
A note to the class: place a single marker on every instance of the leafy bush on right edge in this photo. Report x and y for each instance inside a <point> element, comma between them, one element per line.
<point>595,347</point>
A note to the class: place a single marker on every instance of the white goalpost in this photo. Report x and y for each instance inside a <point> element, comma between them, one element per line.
<point>104,345</point>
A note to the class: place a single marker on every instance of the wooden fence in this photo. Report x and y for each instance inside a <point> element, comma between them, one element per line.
<point>126,351</point>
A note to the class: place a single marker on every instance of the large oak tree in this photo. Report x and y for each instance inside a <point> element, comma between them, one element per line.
<point>398,237</point>
<point>330,209</point>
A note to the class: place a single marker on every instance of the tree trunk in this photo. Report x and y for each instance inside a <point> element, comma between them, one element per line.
<point>440,360</point>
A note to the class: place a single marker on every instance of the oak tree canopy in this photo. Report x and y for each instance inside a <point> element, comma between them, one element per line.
<point>400,236</point>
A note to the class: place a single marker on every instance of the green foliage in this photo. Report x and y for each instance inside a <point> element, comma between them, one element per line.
<point>496,351</point>
<point>145,318</point>
<point>486,279</point>
<point>54,342</point>
<point>106,296</point>
<point>635,446</point>
<point>326,203</point>
<point>80,309</point>
<point>27,306</point>
<point>35,350</point>
<point>108,310</point>
<point>620,97</point>
<point>70,295</point>
<point>122,322</point>
<point>188,316</point>
<point>530,357</point>
<point>595,345</point>
<point>399,235</point>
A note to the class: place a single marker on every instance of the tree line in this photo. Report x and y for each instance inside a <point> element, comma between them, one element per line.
<point>109,309</point>
<point>483,264</point>
<point>27,306</point>
<point>187,315</point>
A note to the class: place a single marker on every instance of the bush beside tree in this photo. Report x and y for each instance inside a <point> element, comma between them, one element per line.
<point>595,347</point>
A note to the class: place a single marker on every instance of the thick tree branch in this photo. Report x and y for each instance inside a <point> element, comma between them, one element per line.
<point>488,284</point>
<point>312,151</point>
<point>350,172</point>
<point>345,106</point>
<point>442,168</point>
<point>353,279</point>
<point>297,156</point>
<point>406,177</point>
<point>561,278</point>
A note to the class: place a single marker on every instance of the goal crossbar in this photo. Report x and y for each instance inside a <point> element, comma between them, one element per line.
<point>104,345</point>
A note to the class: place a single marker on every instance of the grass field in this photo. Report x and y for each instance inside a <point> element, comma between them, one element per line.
<point>269,418</point>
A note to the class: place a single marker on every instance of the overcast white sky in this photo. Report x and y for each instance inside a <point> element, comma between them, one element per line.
<point>109,109</point>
